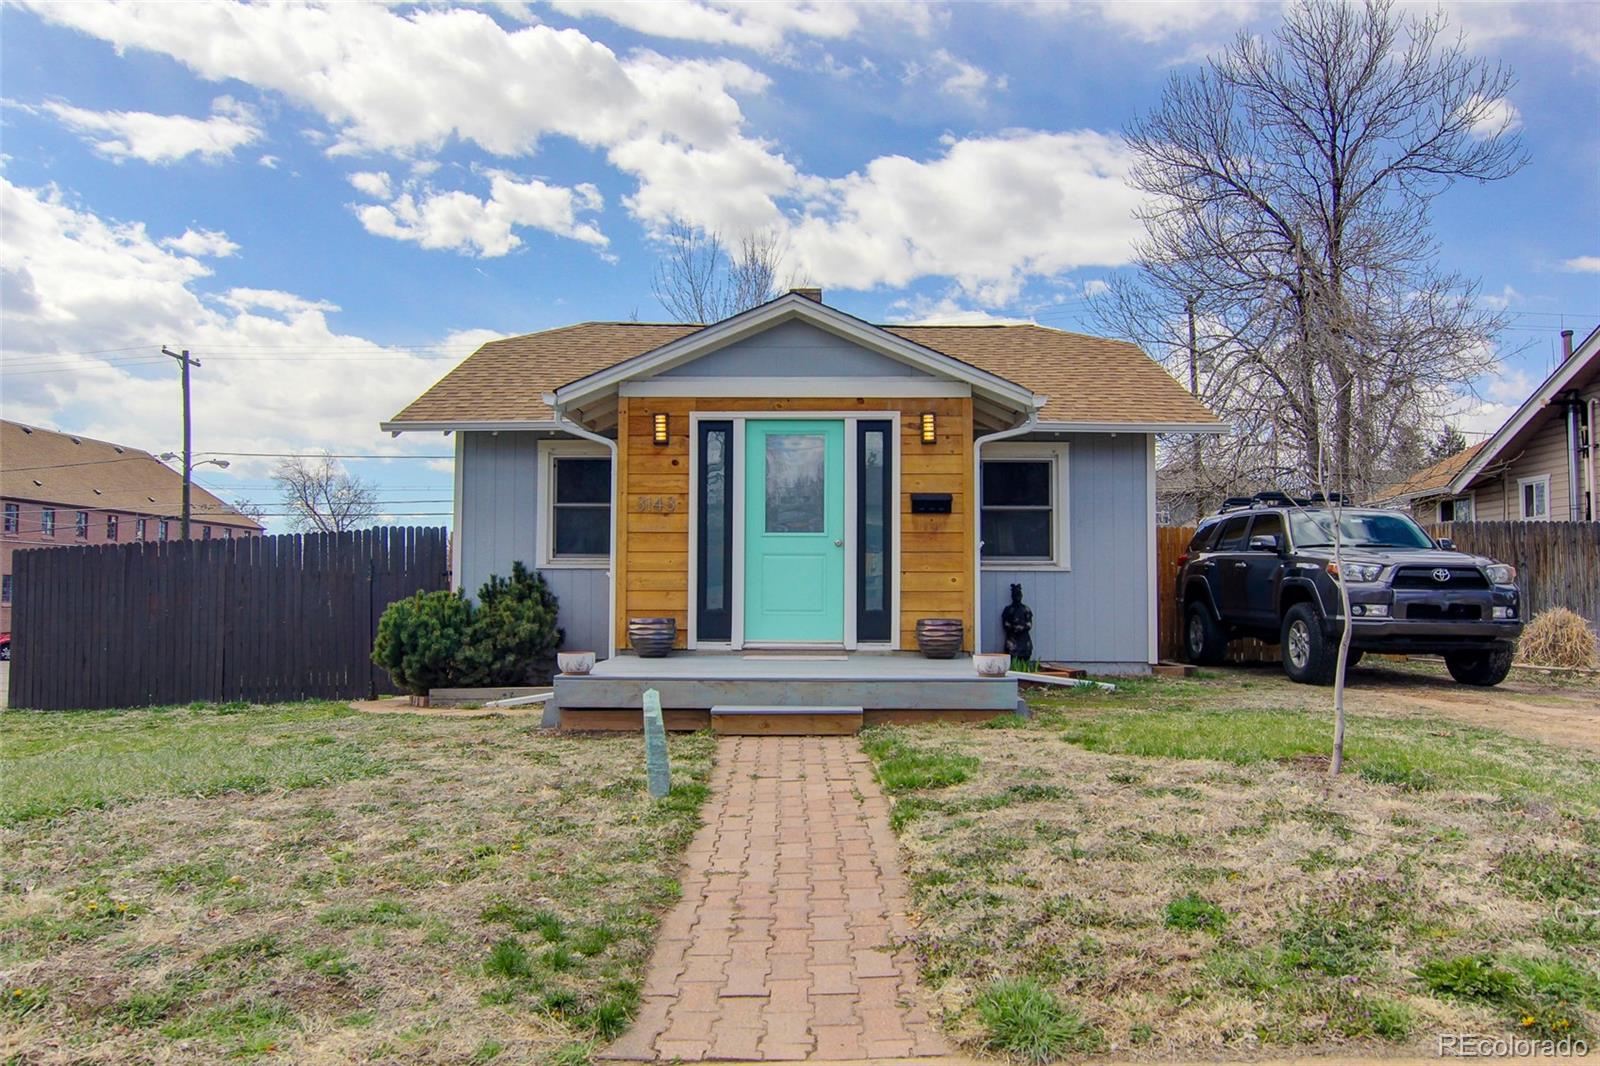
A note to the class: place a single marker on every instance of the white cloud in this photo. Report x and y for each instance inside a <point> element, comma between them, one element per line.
<point>276,375</point>
<point>955,77</point>
<point>987,212</point>
<point>1493,117</point>
<point>202,242</point>
<point>152,138</point>
<point>463,222</point>
<point>1153,21</point>
<point>268,161</point>
<point>1566,25</point>
<point>761,26</point>
<point>947,310</point>
<point>373,183</point>
<point>1583,264</point>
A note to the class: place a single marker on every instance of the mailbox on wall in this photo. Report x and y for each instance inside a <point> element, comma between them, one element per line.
<point>930,503</point>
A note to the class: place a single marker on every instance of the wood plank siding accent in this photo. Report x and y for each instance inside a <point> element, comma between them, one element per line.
<point>936,560</point>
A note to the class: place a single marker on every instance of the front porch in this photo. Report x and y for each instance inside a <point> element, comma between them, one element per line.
<point>887,687</point>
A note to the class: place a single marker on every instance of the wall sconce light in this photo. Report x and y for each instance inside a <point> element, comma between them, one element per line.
<point>659,432</point>
<point>928,436</point>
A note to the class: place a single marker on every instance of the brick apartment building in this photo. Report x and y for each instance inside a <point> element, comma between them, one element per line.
<point>58,489</point>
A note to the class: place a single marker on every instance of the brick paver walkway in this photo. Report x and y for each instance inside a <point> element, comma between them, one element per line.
<point>782,947</point>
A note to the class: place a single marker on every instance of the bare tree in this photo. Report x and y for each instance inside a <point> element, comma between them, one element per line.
<point>321,496</point>
<point>251,510</point>
<point>1290,185</point>
<point>699,279</point>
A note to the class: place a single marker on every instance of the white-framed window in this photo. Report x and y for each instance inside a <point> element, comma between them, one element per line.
<point>574,499</point>
<point>1023,514</point>
<point>1456,509</point>
<point>1534,493</point>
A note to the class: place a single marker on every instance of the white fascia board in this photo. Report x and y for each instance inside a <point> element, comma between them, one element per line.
<point>777,386</point>
<point>783,309</point>
<point>540,425</point>
<point>1540,399</point>
<point>1134,427</point>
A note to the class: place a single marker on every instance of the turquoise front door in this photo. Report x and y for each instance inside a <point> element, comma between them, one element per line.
<point>794,531</point>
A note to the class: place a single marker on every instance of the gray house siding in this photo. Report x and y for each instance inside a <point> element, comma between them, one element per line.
<point>1097,614</point>
<point>794,349</point>
<point>498,515</point>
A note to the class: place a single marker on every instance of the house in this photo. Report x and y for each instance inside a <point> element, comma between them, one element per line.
<point>57,489</point>
<point>796,478</point>
<point>1541,465</point>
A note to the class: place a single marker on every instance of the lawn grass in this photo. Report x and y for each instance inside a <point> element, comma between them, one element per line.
<point>1166,871</point>
<point>64,762</point>
<point>305,883</point>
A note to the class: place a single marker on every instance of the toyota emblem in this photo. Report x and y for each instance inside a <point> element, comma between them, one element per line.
<point>1441,575</point>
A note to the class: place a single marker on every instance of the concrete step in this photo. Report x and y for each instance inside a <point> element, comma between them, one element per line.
<point>771,721</point>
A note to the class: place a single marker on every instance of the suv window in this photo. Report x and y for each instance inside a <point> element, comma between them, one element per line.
<point>1233,534</point>
<point>1268,525</point>
<point>1203,537</point>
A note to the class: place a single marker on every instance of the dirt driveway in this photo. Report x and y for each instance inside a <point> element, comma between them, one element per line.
<point>1537,707</point>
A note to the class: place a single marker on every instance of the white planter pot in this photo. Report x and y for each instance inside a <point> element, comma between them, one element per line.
<point>575,662</point>
<point>992,664</point>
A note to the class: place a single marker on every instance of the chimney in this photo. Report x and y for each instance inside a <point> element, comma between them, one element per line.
<point>812,293</point>
<point>1566,345</point>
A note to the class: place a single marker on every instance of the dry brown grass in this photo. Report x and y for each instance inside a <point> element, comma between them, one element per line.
<point>1559,637</point>
<point>1186,906</point>
<point>351,921</point>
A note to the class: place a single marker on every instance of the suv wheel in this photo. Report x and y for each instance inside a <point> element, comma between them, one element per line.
<point>1479,667</point>
<point>1308,656</point>
<point>1203,637</point>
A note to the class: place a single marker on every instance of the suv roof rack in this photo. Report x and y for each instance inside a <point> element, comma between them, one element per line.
<point>1234,503</point>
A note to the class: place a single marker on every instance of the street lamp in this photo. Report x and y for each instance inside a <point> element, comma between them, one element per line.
<point>188,472</point>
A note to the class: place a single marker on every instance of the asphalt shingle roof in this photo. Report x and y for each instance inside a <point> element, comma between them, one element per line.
<point>1087,379</point>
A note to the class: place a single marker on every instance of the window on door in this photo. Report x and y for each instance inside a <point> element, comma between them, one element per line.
<point>47,521</point>
<point>874,530</point>
<point>5,589</point>
<point>111,527</point>
<point>714,566</point>
<point>140,527</point>
<point>80,525</point>
<point>162,528</point>
<point>1535,492</point>
<point>575,487</point>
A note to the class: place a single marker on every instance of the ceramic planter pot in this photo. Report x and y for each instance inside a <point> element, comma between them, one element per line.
<point>575,662</point>
<point>652,638</point>
<point>993,664</point>
<point>939,638</point>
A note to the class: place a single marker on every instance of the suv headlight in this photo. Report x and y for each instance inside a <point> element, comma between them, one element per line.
<point>1356,571</point>
<point>1501,573</point>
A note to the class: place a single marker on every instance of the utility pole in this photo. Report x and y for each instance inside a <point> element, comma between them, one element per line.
<point>188,455</point>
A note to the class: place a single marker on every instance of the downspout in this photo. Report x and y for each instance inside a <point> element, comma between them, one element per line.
<point>1574,485</point>
<point>1593,465</point>
<point>576,430</point>
<point>1026,426</point>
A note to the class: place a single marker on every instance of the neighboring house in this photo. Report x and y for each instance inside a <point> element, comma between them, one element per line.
<point>1426,494</point>
<point>1540,466</point>
<point>59,489</point>
<point>796,477</point>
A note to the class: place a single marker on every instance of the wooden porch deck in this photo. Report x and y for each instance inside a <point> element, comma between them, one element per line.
<point>892,687</point>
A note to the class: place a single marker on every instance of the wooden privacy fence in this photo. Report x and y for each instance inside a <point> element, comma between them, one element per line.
<point>251,618</point>
<point>1170,543</point>
<point>1558,563</point>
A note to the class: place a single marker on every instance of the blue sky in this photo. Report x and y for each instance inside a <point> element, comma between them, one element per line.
<point>329,205</point>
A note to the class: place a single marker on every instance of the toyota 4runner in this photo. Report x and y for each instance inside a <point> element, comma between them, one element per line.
<point>1264,567</point>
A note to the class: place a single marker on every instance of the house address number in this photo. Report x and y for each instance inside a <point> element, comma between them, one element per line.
<point>658,504</point>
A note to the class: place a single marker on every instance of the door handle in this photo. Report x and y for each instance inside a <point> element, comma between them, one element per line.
<point>1240,566</point>
<point>838,544</point>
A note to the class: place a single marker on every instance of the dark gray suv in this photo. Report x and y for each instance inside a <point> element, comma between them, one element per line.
<point>1264,568</point>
